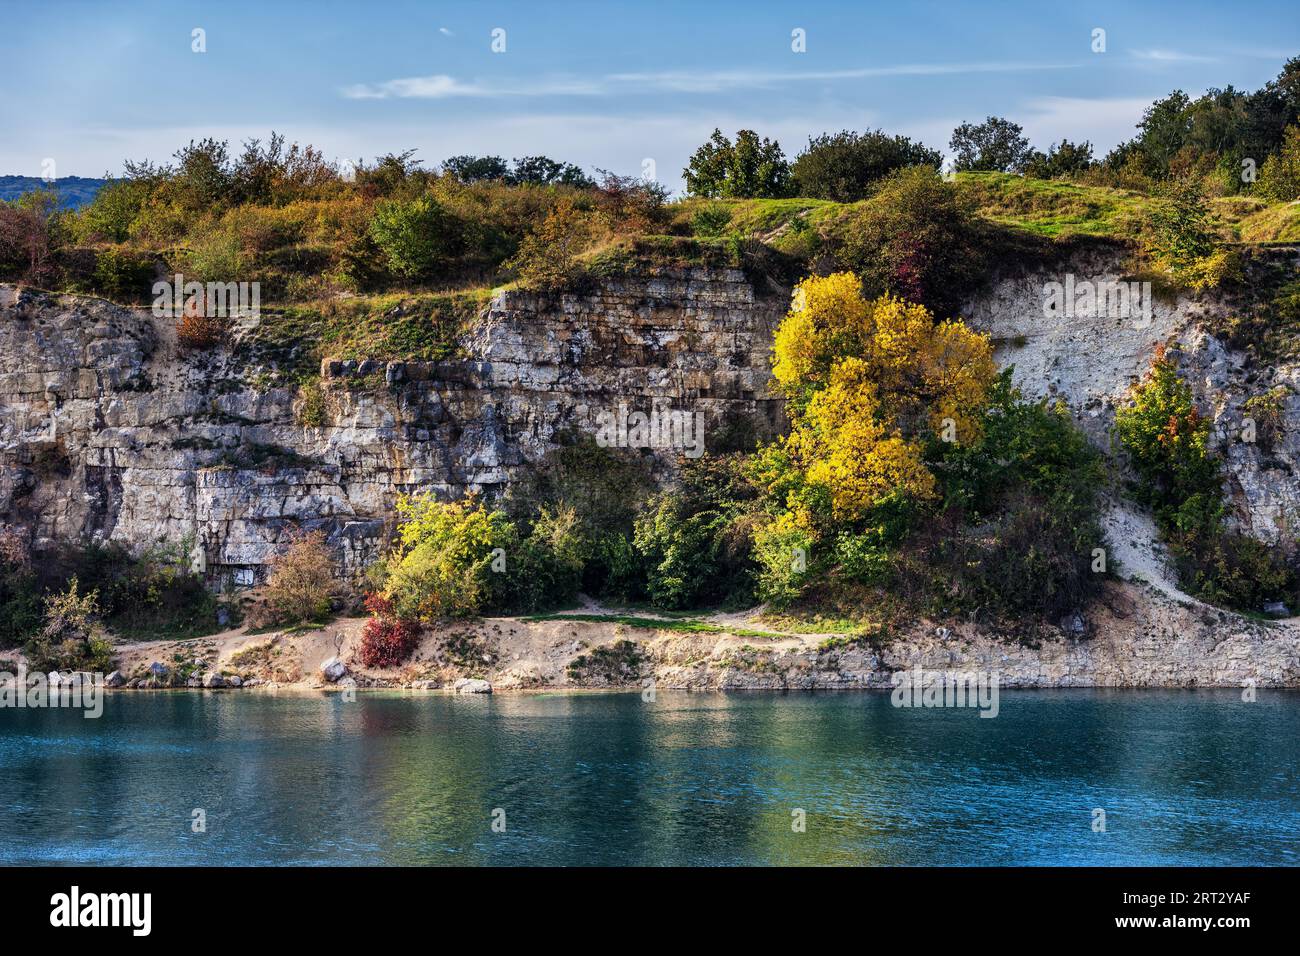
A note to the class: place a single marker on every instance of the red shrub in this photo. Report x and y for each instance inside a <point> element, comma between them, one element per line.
<point>196,330</point>
<point>386,641</point>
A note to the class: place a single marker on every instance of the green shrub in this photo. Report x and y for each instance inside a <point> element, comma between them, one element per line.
<point>695,543</point>
<point>108,217</point>
<point>461,559</point>
<point>1167,441</point>
<point>711,221</point>
<point>1266,412</point>
<point>313,408</point>
<point>546,568</point>
<point>71,636</point>
<point>20,594</point>
<point>215,257</point>
<point>605,488</point>
<point>415,237</point>
<point>683,552</point>
<point>450,558</point>
<point>145,597</point>
<point>548,256</point>
<point>783,549</point>
<point>1015,537</point>
<point>1181,237</point>
<point>123,274</point>
<point>1236,570</point>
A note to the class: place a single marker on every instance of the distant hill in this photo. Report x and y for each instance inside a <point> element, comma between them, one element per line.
<point>74,191</point>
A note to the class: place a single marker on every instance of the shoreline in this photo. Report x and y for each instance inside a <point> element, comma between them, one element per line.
<point>1135,637</point>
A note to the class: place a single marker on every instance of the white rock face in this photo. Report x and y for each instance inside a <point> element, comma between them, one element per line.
<point>471,685</point>
<point>1090,362</point>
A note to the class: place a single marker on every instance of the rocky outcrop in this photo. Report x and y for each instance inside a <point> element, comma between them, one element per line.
<point>1090,359</point>
<point>108,431</point>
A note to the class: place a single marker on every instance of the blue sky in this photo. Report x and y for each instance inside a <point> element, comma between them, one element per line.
<point>602,84</point>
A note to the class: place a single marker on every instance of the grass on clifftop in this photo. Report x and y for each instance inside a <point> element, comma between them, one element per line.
<point>418,327</point>
<point>1272,224</point>
<point>1055,207</point>
<point>1059,208</point>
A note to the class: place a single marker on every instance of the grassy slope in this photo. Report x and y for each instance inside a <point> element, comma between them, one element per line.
<point>1059,208</point>
<point>1053,208</point>
<point>426,325</point>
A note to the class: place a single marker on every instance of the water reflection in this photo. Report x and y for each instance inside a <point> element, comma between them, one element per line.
<point>1195,777</point>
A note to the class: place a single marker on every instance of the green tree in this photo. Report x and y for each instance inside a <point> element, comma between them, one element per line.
<point>1165,127</point>
<point>845,166</point>
<point>996,145</point>
<point>1279,177</point>
<point>749,168</point>
<point>544,171</point>
<point>443,564</point>
<point>1181,236</point>
<point>1168,440</point>
<point>1063,159</point>
<point>476,169</point>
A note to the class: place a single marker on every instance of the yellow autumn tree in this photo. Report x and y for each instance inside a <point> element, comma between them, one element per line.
<point>849,450</point>
<point>869,383</point>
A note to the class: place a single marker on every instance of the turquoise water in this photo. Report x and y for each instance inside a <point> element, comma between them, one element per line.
<point>1185,777</point>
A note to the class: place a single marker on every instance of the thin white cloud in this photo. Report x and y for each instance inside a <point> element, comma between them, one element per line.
<point>1171,56</point>
<point>713,82</point>
<point>442,86</point>
<point>445,32</point>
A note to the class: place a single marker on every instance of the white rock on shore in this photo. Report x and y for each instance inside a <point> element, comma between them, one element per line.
<point>333,669</point>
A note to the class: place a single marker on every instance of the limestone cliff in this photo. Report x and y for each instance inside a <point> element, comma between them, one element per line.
<point>109,431</point>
